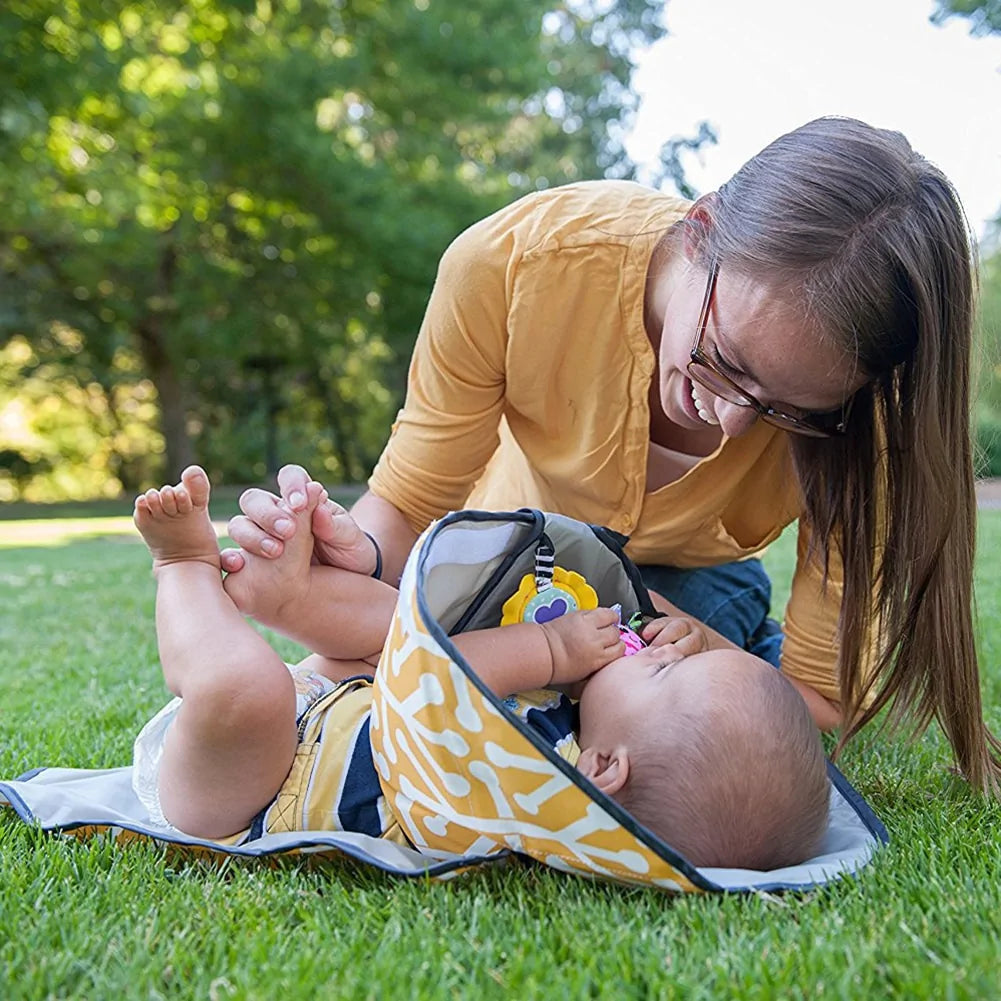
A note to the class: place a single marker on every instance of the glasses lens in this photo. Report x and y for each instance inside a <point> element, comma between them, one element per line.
<point>797,426</point>
<point>718,384</point>
<point>813,426</point>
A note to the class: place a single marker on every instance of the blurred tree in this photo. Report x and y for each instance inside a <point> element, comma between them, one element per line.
<point>243,202</point>
<point>984,15</point>
<point>988,410</point>
<point>64,433</point>
<point>990,330</point>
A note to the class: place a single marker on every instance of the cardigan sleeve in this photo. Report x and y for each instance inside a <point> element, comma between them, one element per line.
<point>448,426</point>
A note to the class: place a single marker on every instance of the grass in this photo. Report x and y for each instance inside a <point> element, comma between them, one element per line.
<point>78,677</point>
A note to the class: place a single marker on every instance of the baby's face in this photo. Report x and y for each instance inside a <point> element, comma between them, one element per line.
<point>653,683</point>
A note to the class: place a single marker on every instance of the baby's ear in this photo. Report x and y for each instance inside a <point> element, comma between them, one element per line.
<point>608,771</point>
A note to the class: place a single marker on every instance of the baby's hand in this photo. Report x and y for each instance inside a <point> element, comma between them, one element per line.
<point>581,643</point>
<point>687,635</point>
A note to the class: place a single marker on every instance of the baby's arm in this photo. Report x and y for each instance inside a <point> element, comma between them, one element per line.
<point>523,656</point>
<point>340,615</point>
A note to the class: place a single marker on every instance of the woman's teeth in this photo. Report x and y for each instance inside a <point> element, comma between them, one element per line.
<point>704,412</point>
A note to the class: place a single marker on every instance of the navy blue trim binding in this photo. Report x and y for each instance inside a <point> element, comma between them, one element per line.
<point>641,833</point>
<point>858,804</point>
<point>319,839</point>
<point>527,517</point>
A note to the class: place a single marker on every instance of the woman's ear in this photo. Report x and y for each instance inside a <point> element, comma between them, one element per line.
<point>699,221</point>
<point>608,771</point>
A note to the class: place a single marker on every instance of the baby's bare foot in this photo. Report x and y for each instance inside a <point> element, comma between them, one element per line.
<point>265,588</point>
<point>174,521</point>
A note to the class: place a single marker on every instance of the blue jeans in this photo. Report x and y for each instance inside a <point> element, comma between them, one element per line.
<point>733,599</point>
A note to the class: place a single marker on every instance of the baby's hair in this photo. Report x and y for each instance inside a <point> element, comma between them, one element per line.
<point>739,781</point>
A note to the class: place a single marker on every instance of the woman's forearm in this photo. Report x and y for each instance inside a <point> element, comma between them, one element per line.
<point>386,523</point>
<point>826,714</point>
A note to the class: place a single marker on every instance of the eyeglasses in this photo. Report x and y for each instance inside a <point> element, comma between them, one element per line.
<point>706,372</point>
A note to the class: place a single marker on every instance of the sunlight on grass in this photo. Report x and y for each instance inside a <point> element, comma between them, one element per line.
<point>79,676</point>
<point>58,531</point>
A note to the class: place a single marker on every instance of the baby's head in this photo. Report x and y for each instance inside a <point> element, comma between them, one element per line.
<point>715,753</point>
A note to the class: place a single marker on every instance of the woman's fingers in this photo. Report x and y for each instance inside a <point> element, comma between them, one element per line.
<point>324,526</point>
<point>689,644</point>
<point>268,512</point>
<point>266,520</point>
<point>249,535</point>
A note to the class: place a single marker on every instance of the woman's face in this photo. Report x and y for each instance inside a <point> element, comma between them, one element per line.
<point>756,340</point>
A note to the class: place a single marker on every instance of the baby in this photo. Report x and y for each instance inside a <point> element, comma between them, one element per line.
<point>712,750</point>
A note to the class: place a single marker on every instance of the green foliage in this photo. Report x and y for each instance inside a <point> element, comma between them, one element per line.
<point>988,409</point>
<point>989,332</point>
<point>984,17</point>
<point>242,203</point>
<point>988,447</point>
<point>67,432</point>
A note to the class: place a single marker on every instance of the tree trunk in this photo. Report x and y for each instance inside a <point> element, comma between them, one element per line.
<point>173,413</point>
<point>162,371</point>
<point>333,410</point>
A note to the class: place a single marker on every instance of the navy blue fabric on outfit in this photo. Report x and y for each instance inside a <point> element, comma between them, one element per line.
<point>733,599</point>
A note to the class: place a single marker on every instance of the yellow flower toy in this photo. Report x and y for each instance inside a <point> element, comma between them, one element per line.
<point>549,592</point>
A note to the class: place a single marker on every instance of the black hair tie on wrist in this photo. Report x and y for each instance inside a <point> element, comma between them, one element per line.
<point>377,572</point>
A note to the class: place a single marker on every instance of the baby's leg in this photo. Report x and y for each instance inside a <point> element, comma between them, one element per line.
<point>342,615</point>
<point>234,738</point>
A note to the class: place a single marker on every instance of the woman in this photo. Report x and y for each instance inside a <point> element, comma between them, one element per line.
<point>795,345</point>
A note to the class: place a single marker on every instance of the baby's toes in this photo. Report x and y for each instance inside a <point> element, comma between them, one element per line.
<point>196,482</point>
<point>169,501</point>
<point>153,504</point>
<point>315,494</point>
<point>240,589</point>
<point>182,500</point>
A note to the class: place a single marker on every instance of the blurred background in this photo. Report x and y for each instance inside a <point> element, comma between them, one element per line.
<point>220,221</point>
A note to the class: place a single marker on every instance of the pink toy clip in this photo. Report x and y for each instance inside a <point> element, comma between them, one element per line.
<point>632,640</point>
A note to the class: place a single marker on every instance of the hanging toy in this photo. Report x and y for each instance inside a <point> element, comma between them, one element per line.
<point>549,592</point>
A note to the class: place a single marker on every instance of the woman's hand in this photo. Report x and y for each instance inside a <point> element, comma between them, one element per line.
<point>687,635</point>
<point>581,643</point>
<point>265,524</point>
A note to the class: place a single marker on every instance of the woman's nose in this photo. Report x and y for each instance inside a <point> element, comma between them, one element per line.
<point>734,419</point>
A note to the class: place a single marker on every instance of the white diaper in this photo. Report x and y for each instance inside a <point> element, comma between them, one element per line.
<point>147,751</point>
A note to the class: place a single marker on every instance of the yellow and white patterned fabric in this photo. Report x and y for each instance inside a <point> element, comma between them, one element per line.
<point>465,775</point>
<point>458,769</point>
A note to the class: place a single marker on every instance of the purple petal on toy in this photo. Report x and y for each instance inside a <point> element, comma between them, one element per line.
<point>546,613</point>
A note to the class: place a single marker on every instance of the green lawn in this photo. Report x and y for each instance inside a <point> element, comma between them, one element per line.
<point>78,676</point>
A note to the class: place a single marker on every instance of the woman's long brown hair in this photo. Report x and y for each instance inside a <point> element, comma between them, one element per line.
<point>868,241</point>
